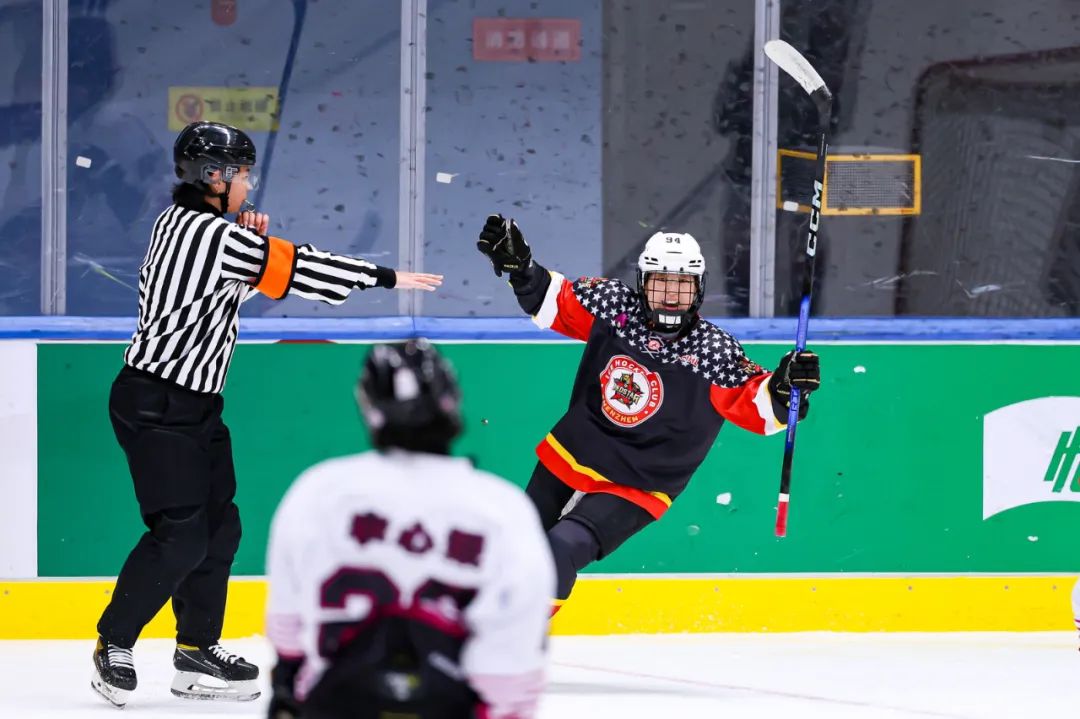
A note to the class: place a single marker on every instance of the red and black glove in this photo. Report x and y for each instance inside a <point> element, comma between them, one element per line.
<point>802,370</point>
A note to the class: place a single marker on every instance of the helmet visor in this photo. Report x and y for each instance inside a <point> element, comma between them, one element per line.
<point>230,173</point>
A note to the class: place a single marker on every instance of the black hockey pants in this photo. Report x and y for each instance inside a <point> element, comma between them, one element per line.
<point>180,456</point>
<point>592,529</point>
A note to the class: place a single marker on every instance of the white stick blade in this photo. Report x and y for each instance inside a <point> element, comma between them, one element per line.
<point>793,63</point>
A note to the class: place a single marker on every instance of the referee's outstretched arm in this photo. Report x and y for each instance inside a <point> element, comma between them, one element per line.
<point>201,266</point>
<point>277,267</point>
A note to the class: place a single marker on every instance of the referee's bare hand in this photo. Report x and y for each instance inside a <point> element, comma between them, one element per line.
<point>417,281</point>
<point>257,222</point>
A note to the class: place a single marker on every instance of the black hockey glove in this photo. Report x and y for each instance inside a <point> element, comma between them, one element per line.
<point>504,245</point>
<point>283,703</point>
<point>283,707</point>
<point>802,370</point>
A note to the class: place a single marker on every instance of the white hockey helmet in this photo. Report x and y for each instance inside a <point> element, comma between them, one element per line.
<point>676,253</point>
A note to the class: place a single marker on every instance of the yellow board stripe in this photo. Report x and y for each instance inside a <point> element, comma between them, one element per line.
<point>51,609</point>
<point>928,603</point>
<point>70,609</point>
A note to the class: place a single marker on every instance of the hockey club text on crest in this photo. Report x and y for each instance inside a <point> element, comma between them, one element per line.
<point>630,393</point>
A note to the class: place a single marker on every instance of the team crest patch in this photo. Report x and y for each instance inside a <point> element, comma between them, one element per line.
<point>630,392</point>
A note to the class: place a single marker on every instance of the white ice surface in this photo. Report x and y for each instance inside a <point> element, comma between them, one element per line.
<point>805,676</point>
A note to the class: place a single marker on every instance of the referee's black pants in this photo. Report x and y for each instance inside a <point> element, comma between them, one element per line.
<point>180,457</point>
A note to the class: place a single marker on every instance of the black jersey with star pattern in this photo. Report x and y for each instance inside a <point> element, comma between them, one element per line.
<point>644,410</point>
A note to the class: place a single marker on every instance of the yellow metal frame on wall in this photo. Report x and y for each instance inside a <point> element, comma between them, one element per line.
<point>913,209</point>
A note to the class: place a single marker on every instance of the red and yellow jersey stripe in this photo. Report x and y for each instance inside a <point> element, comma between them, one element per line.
<point>563,465</point>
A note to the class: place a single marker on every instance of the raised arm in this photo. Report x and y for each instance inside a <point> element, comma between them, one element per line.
<point>278,268</point>
<point>553,301</point>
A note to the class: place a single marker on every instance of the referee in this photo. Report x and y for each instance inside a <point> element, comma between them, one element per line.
<point>166,406</point>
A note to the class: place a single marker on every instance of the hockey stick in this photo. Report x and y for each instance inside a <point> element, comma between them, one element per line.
<point>794,64</point>
<point>299,11</point>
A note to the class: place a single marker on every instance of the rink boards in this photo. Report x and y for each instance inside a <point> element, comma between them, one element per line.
<point>935,486</point>
<point>69,609</point>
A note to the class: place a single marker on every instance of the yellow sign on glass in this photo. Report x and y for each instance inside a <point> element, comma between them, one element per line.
<point>247,108</point>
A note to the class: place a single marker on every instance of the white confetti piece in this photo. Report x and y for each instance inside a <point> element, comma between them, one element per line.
<point>859,369</point>
<point>445,177</point>
<point>83,161</point>
<point>1032,538</point>
<point>724,498</point>
<point>790,206</point>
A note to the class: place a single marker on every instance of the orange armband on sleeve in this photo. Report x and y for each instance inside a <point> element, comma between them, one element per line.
<point>277,271</point>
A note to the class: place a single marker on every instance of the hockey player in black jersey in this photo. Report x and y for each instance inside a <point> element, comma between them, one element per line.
<point>655,384</point>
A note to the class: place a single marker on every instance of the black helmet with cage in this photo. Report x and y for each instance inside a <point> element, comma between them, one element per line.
<point>205,148</point>
<point>409,397</point>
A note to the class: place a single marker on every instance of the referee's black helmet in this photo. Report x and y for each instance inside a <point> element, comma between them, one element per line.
<point>203,148</point>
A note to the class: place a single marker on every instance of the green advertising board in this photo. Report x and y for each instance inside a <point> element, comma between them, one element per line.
<point>953,458</point>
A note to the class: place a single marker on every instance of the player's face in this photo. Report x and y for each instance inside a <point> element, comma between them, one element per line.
<point>670,291</point>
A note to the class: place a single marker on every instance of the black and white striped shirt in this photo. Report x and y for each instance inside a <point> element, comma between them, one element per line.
<point>200,267</point>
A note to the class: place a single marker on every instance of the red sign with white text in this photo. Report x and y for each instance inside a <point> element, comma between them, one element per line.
<point>501,39</point>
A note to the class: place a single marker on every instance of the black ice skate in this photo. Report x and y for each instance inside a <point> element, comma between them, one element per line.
<point>114,673</point>
<point>213,673</point>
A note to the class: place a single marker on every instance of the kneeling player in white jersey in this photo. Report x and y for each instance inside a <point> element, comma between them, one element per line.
<point>404,582</point>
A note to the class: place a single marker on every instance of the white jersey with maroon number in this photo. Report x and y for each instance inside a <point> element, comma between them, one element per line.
<point>424,535</point>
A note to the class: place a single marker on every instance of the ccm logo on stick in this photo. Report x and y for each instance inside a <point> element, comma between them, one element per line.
<point>815,219</point>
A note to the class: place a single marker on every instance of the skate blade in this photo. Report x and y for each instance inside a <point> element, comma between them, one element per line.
<point>192,685</point>
<point>117,697</point>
